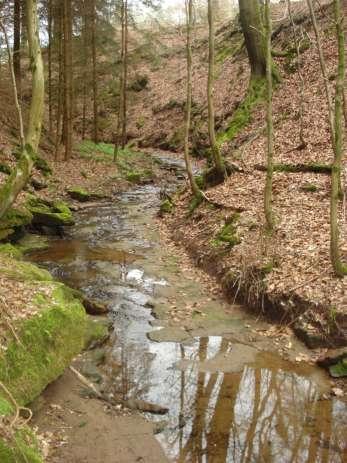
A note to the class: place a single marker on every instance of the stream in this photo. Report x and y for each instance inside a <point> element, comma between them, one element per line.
<point>228,401</point>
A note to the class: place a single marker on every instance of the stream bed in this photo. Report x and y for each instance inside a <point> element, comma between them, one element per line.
<point>228,400</point>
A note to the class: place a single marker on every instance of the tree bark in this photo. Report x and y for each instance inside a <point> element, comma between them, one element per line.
<point>269,124</point>
<point>19,177</point>
<point>217,157</point>
<point>16,45</point>
<point>95,85</point>
<point>125,76</point>
<point>339,267</point>
<point>253,31</point>
<point>189,18</point>
<point>67,79</point>
<point>49,47</point>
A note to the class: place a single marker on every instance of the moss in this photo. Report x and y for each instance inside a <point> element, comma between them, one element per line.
<point>268,267</point>
<point>10,250</point>
<point>228,234</point>
<point>200,181</point>
<point>166,207</point>
<point>339,370</point>
<point>23,271</point>
<point>42,165</point>
<point>52,214</point>
<point>139,83</point>
<point>31,242</point>
<point>5,407</point>
<point>133,177</point>
<point>242,115</point>
<point>5,169</point>
<point>97,331</point>
<point>49,341</point>
<point>15,218</point>
<point>22,447</point>
<point>195,203</point>
<point>310,187</point>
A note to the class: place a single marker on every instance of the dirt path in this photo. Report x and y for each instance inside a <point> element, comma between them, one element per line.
<point>82,429</point>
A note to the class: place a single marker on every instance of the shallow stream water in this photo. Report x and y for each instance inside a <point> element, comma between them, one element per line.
<point>228,401</point>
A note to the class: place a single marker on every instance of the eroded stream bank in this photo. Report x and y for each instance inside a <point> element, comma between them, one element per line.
<point>230,397</point>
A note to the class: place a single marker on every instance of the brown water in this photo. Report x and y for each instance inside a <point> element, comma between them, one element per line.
<point>229,401</point>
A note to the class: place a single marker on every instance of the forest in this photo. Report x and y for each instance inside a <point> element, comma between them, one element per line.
<point>173,240</point>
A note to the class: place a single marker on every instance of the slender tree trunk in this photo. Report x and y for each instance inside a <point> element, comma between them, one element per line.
<point>19,177</point>
<point>118,137</point>
<point>339,267</point>
<point>16,45</point>
<point>85,65</point>
<point>189,18</point>
<point>269,123</point>
<point>125,76</point>
<point>253,31</point>
<point>67,79</point>
<point>95,84</point>
<point>59,113</point>
<point>303,143</point>
<point>217,158</point>
<point>49,46</point>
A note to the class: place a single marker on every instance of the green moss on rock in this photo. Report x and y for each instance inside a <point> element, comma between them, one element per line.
<point>82,195</point>
<point>13,222</point>
<point>22,447</point>
<point>242,115</point>
<point>10,251</point>
<point>49,341</point>
<point>228,234</point>
<point>166,207</point>
<point>339,370</point>
<point>49,213</point>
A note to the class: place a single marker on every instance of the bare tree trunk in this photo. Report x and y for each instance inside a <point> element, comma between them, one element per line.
<point>339,267</point>
<point>59,113</point>
<point>49,46</point>
<point>189,18</point>
<point>95,85</point>
<point>303,143</point>
<point>125,75</point>
<point>67,79</point>
<point>118,137</point>
<point>19,177</point>
<point>253,31</point>
<point>16,45</point>
<point>217,158</point>
<point>269,123</point>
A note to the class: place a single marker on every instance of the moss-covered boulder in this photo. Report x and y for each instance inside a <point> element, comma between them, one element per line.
<point>82,195</point>
<point>13,222</point>
<point>49,213</point>
<point>49,340</point>
<point>20,446</point>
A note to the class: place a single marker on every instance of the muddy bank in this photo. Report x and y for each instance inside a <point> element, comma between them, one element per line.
<point>178,344</point>
<point>319,325</point>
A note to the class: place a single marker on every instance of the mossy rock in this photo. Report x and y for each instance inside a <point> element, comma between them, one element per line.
<point>49,340</point>
<point>49,213</point>
<point>310,187</point>
<point>10,251</point>
<point>23,271</point>
<point>134,177</point>
<point>339,370</point>
<point>31,242</point>
<point>22,447</point>
<point>82,195</point>
<point>228,234</point>
<point>97,332</point>
<point>13,222</point>
<point>166,207</point>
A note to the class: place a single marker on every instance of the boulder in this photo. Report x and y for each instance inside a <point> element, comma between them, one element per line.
<point>49,213</point>
<point>81,195</point>
<point>13,222</point>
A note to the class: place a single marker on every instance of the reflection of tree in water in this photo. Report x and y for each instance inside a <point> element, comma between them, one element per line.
<point>259,415</point>
<point>256,415</point>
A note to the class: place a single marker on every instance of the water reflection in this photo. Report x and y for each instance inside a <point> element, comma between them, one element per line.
<point>261,413</point>
<point>227,402</point>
